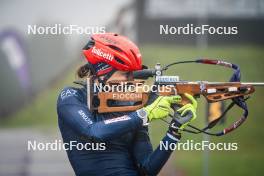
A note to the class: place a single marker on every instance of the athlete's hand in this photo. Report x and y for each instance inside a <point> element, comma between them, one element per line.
<point>185,115</point>
<point>161,107</point>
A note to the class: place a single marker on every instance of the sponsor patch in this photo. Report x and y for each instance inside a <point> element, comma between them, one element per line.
<point>85,117</point>
<point>68,93</point>
<point>99,52</point>
<point>118,119</point>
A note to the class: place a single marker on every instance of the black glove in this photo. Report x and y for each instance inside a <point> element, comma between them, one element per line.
<point>183,116</point>
<point>178,123</point>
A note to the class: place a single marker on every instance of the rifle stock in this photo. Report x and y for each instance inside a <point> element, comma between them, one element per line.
<point>212,91</point>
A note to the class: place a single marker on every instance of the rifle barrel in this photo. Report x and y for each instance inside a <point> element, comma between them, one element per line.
<point>253,83</point>
<point>245,83</point>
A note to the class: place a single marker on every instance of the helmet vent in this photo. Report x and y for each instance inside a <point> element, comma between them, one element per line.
<point>133,53</point>
<point>119,60</point>
<point>115,48</point>
<point>134,56</point>
<point>89,45</point>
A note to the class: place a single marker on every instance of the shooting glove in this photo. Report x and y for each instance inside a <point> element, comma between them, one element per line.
<point>161,107</point>
<point>183,116</point>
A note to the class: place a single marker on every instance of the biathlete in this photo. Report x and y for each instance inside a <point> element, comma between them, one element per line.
<point>128,150</point>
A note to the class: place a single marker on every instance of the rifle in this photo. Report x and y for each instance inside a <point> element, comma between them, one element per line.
<point>235,90</point>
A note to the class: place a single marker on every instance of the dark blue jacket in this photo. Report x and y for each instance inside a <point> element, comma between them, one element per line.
<point>128,150</point>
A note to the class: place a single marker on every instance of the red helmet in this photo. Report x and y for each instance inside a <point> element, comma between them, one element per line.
<point>114,50</point>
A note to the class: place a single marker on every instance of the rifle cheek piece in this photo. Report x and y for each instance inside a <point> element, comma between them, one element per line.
<point>109,101</point>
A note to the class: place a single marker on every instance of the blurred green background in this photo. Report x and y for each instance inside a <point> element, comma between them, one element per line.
<point>247,160</point>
